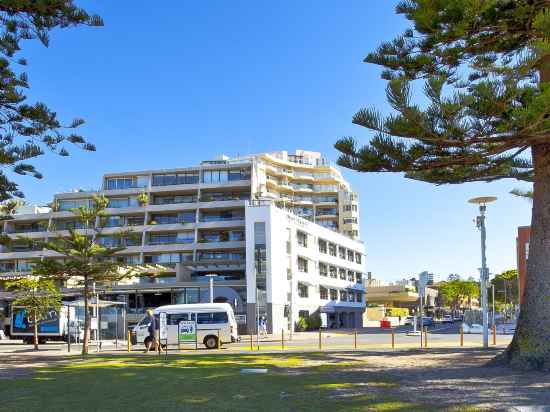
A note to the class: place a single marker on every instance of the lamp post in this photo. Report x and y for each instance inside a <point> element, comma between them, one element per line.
<point>211,277</point>
<point>484,275</point>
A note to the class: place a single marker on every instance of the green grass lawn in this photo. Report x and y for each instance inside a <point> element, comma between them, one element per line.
<point>294,382</point>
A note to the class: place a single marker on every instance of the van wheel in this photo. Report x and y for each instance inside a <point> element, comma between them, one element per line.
<point>211,342</point>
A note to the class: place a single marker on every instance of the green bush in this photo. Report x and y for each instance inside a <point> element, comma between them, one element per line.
<point>314,322</point>
<point>301,324</point>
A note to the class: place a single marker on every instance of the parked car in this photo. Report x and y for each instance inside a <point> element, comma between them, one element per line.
<point>473,328</point>
<point>426,321</point>
<point>447,319</point>
<point>409,320</point>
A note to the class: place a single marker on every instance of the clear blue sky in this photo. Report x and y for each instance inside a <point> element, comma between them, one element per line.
<point>171,86</point>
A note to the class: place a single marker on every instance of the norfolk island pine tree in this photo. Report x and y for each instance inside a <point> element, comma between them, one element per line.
<point>485,66</point>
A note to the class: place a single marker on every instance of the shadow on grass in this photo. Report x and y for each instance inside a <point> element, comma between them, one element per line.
<point>313,381</point>
<point>294,382</point>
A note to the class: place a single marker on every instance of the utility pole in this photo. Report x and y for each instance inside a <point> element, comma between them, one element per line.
<point>484,271</point>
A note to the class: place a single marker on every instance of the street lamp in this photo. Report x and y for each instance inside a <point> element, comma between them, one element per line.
<point>211,277</point>
<point>484,275</point>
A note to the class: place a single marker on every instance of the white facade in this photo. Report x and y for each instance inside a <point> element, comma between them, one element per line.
<point>293,288</point>
<point>199,220</point>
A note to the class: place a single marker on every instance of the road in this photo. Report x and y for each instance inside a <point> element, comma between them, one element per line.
<point>439,336</point>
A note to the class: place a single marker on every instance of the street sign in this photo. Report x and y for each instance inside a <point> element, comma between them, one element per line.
<point>324,321</point>
<point>187,331</point>
<point>162,326</point>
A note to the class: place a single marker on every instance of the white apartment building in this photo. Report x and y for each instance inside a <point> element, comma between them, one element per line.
<point>203,220</point>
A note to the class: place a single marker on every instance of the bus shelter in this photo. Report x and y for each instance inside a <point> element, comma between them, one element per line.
<point>108,325</point>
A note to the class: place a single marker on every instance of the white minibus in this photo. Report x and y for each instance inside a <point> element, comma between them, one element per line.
<point>212,319</point>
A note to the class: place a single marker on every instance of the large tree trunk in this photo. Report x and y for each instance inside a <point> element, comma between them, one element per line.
<point>35,329</point>
<point>86,319</point>
<point>530,347</point>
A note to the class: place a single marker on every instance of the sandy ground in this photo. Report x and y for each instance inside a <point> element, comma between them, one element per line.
<point>442,377</point>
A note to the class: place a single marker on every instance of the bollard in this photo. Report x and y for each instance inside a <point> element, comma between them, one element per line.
<point>251,348</point>
<point>425,337</point>
<point>129,341</point>
<point>461,336</point>
<point>320,342</point>
<point>282,339</point>
<point>158,341</point>
<point>392,338</point>
<point>219,340</point>
<point>421,338</point>
<point>494,335</point>
<point>355,338</point>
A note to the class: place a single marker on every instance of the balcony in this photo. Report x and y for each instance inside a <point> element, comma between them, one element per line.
<point>170,241</point>
<point>220,218</point>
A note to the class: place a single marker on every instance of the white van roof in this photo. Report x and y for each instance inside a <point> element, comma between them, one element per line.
<point>194,307</point>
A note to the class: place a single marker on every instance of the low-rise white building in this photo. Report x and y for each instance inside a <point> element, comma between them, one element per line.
<point>296,268</point>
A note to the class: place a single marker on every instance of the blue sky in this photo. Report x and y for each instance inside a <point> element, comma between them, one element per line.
<point>171,86</point>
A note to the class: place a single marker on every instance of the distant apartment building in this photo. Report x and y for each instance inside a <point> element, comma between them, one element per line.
<point>276,229</point>
<point>522,245</point>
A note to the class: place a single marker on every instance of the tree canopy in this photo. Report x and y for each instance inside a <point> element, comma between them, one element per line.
<point>37,296</point>
<point>480,63</point>
<point>485,70</point>
<point>27,130</point>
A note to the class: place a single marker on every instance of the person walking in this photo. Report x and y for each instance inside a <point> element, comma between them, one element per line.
<point>152,339</point>
<point>263,327</point>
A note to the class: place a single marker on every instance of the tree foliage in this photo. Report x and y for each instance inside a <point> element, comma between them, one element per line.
<point>458,292</point>
<point>37,296</point>
<point>27,130</point>
<point>479,61</point>
<point>83,258</point>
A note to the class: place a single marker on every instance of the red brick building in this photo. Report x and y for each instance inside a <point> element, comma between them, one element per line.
<point>522,242</point>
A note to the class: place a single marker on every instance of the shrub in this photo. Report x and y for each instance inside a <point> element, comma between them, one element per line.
<point>301,324</point>
<point>314,322</point>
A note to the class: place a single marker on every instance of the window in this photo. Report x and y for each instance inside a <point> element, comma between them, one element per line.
<point>326,211</point>
<point>302,264</point>
<point>239,174</point>
<point>323,293</point>
<point>333,294</point>
<point>351,275</point>
<point>350,208</point>
<point>120,202</point>
<point>303,314</point>
<point>342,273</point>
<point>73,204</point>
<point>184,178</point>
<point>167,200</point>
<point>302,238</point>
<point>120,183</point>
<point>332,271</point>
<point>343,295</point>
<point>351,255</point>
<point>322,246</point>
<point>358,277</point>
<point>359,297</point>
<point>350,220</point>
<point>357,257</point>
<point>332,249</point>
<point>176,318</point>
<point>341,252</point>
<point>323,269</point>
<point>303,290</point>
<point>212,317</point>
<point>215,176</point>
<point>351,296</point>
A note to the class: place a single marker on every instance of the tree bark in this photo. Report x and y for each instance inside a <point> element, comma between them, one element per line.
<point>35,329</point>
<point>86,319</point>
<point>530,347</point>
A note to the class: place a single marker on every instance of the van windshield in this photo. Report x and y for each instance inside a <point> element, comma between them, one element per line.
<point>144,321</point>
